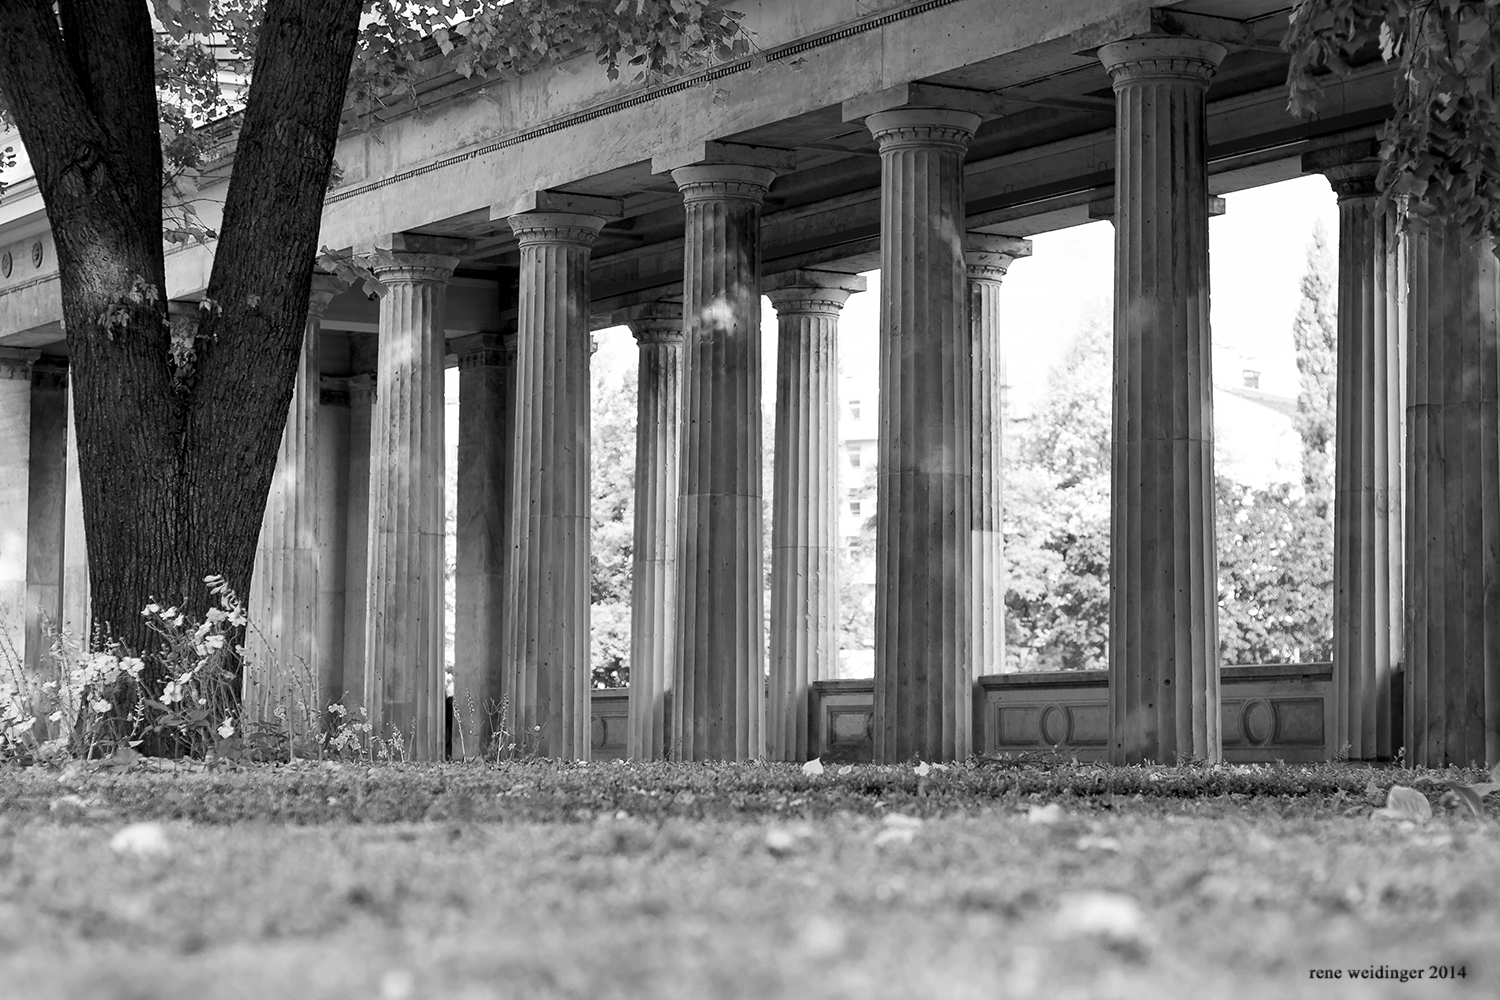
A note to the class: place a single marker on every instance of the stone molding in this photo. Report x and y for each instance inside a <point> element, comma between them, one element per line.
<point>16,362</point>
<point>49,373</point>
<point>555,229</point>
<point>485,350</point>
<point>988,257</point>
<point>811,292</point>
<point>333,390</point>
<point>325,288</point>
<point>1354,180</point>
<point>659,323</point>
<point>398,265</point>
<point>723,182</point>
<point>922,128</point>
<point>1174,60</point>
<point>362,389</point>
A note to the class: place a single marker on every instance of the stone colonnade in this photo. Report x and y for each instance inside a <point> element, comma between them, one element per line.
<point>698,645</point>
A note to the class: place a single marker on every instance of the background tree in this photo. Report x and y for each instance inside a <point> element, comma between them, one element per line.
<point>613,541</point>
<point>1057,491</point>
<point>1276,543</point>
<point>1315,337</point>
<point>177,447</point>
<point>1275,575</point>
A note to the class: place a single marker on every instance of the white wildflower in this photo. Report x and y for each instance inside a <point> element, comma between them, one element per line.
<point>100,705</point>
<point>226,729</point>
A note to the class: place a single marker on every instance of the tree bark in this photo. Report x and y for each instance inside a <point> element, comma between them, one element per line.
<point>175,462</point>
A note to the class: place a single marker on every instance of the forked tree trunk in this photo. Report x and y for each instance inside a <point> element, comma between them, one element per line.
<point>175,463</point>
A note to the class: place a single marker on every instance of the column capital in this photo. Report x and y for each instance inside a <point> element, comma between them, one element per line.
<point>49,373</point>
<point>925,127</point>
<point>484,350</point>
<point>361,389</point>
<point>16,362</point>
<point>1351,168</point>
<point>811,291</point>
<point>723,181</point>
<point>1186,60</point>
<point>324,288</point>
<point>333,390</point>
<point>556,228</point>
<point>657,323</point>
<point>987,256</point>
<point>399,265</point>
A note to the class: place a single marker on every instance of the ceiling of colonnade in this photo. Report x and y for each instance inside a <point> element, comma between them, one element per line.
<point>1045,161</point>
<point>1043,158</point>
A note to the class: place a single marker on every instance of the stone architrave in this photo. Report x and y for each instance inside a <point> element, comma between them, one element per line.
<point>924,662</point>
<point>805,500</point>
<point>653,591</point>
<point>357,536</point>
<point>1367,584</point>
<point>988,258</point>
<point>404,688</point>
<point>46,500</point>
<point>718,696</point>
<point>15,466</point>
<point>547,666</point>
<point>282,664</point>
<point>486,449</point>
<point>1163,644</point>
<point>1453,497</point>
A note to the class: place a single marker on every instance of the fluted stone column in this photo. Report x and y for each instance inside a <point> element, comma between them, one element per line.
<point>282,665</point>
<point>653,590</point>
<point>46,501</point>
<point>15,466</point>
<point>1453,492</point>
<point>1163,645</point>
<point>404,688</point>
<point>718,698</point>
<point>988,258</point>
<point>805,500</point>
<point>1367,585</point>
<point>486,448</point>
<point>333,536</point>
<point>357,537</point>
<point>924,661</point>
<point>547,624</point>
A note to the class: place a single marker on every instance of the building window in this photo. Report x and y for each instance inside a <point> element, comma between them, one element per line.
<point>853,409</point>
<point>1252,378</point>
<point>854,456</point>
<point>853,508</point>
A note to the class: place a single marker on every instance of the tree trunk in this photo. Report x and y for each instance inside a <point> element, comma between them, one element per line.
<point>175,460</point>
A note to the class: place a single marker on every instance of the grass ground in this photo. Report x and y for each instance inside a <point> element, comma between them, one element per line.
<point>667,881</point>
